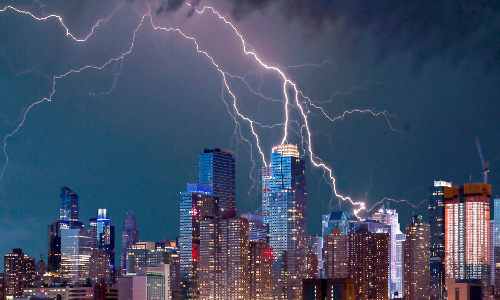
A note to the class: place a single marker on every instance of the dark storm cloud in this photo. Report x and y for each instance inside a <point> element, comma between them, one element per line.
<point>460,29</point>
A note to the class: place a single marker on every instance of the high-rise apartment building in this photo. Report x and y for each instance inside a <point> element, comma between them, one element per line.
<point>314,250</point>
<point>417,260</point>
<point>69,205</point>
<point>75,255</point>
<point>497,245</point>
<point>19,273</point>
<point>223,268</point>
<point>196,204</point>
<point>287,220</point>
<point>437,240</point>
<point>492,253</point>
<point>336,253</point>
<point>467,232</point>
<point>368,259</point>
<point>388,216</point>
<point>142,254</point>
<point>130,236</point>
<point>260,271</point>
<point>216,167</point>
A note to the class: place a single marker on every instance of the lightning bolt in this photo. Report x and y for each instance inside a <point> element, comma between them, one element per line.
<point>293,97</point>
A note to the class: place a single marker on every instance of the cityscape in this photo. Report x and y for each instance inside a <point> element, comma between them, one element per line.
<point>249,149</point>
<point>269,255</point>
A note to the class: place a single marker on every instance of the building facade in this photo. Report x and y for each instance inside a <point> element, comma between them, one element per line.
<point>216,167</point>
<point>196,204</point>
<point>417,260</point>
<point>369,260</point>
<point>19,273</point>
<point>75,255</point>
<point>437,238</point>
<point>467,236</point>
<point>68,205</point>
<point>497,245</point>
<point>287,220</point>
<point>390,217</point>
<point>336,253</point>
<point>130,236</point>
<point>326,289</point>
<point>260,271</point>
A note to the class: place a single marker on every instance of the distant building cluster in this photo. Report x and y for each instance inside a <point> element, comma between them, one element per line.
<point>269,255</point>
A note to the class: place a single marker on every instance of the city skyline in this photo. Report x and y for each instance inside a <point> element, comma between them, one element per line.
<point>136,147</point>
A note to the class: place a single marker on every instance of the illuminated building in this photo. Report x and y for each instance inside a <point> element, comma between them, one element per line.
<point>388,216</point>
<point>2,286</point>
<point>417,260</point>
<point>314,255</point>
<point>19,273</point>
<point>223,268</point>
<point>266,209</point>
<point>336,255</point>
<point>143,254</point>
<point>75,255</point>
<point>150,283</point>
<point>216,167</point>
<point>340,219</point>
<point>287,220</point>
<point>437,227</point>
<point>497,245</point>
<point>464,289</point>
<point>368,259</point>
<point>130,236</point>
<point>467,236</point>
<point>46,292</point>
<point>492,253</point>
<point>257,230</point>
<point>260,271</point>
<point>99,267</point>
<point>327,289</point>
<point>69,205</point>
<point>196,204</point>
<point>102,236</point>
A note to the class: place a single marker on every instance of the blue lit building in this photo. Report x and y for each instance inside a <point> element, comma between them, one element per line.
<point>130,236</point>
<point>287,220</point>
<point>196,204</point>
<point>103,237</point>
<point>216,167</point>
<point>69,205</point>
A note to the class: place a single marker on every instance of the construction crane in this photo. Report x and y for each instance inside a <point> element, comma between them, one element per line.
<point>486,166</point>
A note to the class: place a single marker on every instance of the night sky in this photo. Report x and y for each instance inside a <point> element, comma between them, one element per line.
<point>127,136</point>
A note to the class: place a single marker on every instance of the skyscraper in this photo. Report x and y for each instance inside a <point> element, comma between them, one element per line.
<point>69,205</point>
<point>437,227</point>
<point>369,260</point>
<point>260,271</point>
<point>492,253</point>
<point>416,260</point>
<point>75,255</point>
<point>388,216</point>
<point>336,253</point>
<point>130,236</point>
<point>216,167</point>
<point>266,181</point>
<point>19,273</point>
<point>150,283</point>
<point>257,230</point>
<point>497,245</point>
<point>467,232</point>
<point>223,268</point>
<point>196,204</point>
<point>287,220</point>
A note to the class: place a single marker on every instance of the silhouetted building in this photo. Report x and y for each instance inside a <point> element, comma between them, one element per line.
<point>467,233</point>
<point>130,236</point>
<point>19,273</point>
<point>336,253</point>
<point>196,204</point>
<point>40,269</point>
<point>369,260</point>
<point>216,167</point>
<point>287,220</point>
<point>437,228</point>
<point>327,289</point>
<point>416,260</point>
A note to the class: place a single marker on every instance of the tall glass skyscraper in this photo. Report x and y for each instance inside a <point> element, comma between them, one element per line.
<point>436,223</point>
<point>496,248</point>
<point>390,217</point>
<point>196,204</point>
<point>130,236</point>
<point>102,236</point>
<point>75,255</point>
<point>69,205</point>
<point>287,220</point>
<point>216,167</point>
